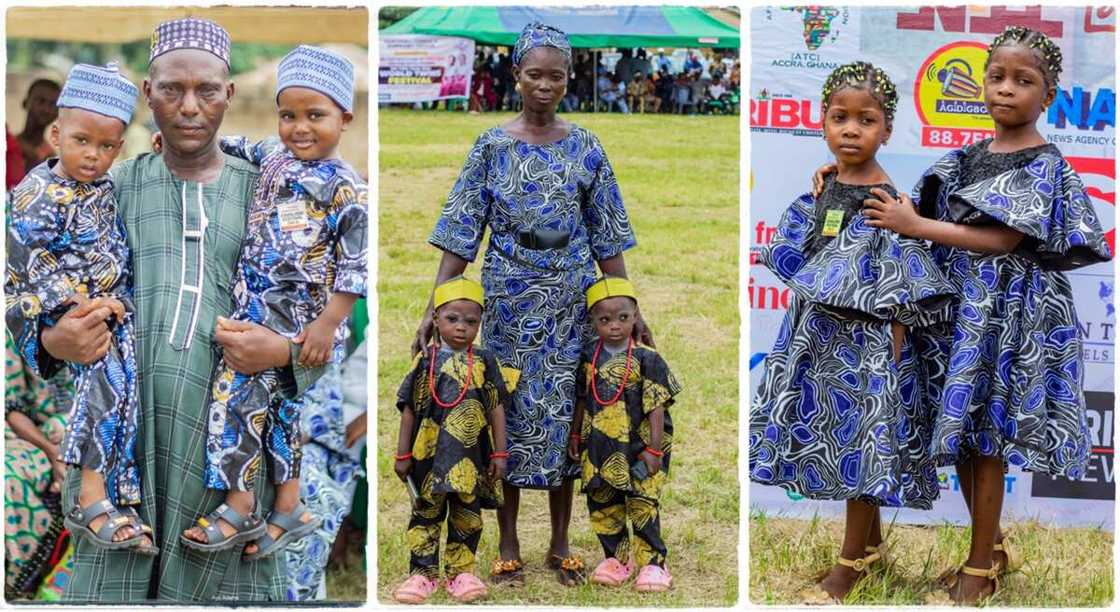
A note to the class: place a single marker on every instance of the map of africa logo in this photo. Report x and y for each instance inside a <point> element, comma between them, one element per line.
<point>816,22</point>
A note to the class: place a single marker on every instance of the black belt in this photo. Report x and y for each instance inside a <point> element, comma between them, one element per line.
<point>543,239</point>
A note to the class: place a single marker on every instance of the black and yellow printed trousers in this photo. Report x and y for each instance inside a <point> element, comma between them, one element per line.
<point>610,509</point>
<point>463,513</point>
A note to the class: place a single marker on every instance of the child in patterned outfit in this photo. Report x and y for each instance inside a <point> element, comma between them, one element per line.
<point>302,267</point>
<point>1008,215</point>
<point>451,446</point>
<point>624,439</point>
<point>839,414</point>
<point>66,246</point>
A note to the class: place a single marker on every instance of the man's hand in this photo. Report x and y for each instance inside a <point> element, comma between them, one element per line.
<point>80,336</point>
<point>250,348</point>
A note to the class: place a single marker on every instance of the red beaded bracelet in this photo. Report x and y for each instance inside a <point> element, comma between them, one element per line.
<point>403,457</point>
<point>499,455</point>
<point>652,451</point>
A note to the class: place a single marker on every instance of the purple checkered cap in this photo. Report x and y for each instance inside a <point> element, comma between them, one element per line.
<point>320,70</point>
<point>99,89</point>
<point>190,33</point>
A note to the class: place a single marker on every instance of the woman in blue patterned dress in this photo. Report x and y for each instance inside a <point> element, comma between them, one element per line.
<point>839,414</point>
<point>1007,215</point>
<point>547,193</point>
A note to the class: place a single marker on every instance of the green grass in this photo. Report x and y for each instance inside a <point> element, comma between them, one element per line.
<point>680,180</point>
<point>1063,567</point>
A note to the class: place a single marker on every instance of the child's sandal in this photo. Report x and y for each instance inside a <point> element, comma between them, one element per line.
<point>949,579</point>
<point>78,520</point>
<point>817,596</point>
<point>245,529</point>
<point>508,571</point>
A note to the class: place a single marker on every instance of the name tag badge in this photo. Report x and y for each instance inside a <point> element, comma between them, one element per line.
<point>293,217</point>
<point>832,221</point>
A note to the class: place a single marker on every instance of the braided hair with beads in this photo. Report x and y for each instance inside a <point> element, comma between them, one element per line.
<point>1048,54</point>
<point>862,75</point>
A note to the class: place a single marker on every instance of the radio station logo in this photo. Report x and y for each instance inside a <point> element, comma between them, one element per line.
<point>1097,482</point>
<point>785,114</point>
<point>949,96</point>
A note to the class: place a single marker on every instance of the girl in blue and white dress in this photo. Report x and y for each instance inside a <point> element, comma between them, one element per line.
<point>840,412</point>
<point>1008,215</point>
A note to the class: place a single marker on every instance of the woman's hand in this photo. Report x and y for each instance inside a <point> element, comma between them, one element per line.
<point>896,214</point>
<point>642,333</point>
<point>818,178</point>
<point>424,333</point>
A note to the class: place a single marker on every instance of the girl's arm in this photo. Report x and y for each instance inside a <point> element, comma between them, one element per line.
<point>497,468</point>
<point>404,443</point>
<point>574,438</point>
<point>900,215</point>
<point>656,430</point>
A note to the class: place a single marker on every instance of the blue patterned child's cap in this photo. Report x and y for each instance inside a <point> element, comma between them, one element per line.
<point>99,89</point>
<point>537,34</point>
<point>190,33</point>
<point>318,69</point>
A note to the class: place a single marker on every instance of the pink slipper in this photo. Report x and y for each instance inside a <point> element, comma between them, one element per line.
<point>653,579</point>
<point>416,590</point>
<point>466,587</point>
<point>611,572</point>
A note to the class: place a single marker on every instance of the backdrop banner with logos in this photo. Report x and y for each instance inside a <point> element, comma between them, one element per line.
<point>935,55</point>
<point>418,68</point>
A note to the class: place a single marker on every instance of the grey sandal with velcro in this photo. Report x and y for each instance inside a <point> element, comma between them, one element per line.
<point>77,520</point>
<point>246,529</point>
<point>294,529</point>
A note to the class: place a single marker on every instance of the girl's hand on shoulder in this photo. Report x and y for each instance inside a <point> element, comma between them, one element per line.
<point>896,214</point>
<point>497,468</point>
<point>653,462</point>
<point>818,178</point>
<point>402,467</point>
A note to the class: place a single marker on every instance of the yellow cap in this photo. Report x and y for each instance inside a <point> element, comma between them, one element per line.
<point>607,287</point>
<point>458,288</point>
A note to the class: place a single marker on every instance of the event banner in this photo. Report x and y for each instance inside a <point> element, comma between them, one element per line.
<point>935,55</point>
<point>416,68</point>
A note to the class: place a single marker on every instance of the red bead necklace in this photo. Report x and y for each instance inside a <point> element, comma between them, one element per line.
<point>432,379</point>
<point>595,372</point>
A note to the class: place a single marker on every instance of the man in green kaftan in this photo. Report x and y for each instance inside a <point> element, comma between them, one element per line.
<point>184,211</point>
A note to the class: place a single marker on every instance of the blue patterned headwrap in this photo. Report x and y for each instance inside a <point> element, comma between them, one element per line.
<point>537,34</point>
<point>102,90</point>
<point>318,69</point>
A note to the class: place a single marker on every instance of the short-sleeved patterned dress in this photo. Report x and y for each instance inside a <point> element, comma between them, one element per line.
<point>1012,362</point>
<point>535,318</point>
<point>835,416</point>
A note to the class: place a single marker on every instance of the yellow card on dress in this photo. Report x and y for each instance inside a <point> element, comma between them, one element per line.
<point>832,221</point>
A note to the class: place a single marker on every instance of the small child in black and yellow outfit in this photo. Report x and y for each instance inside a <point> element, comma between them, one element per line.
<point>625,440</point>
<point>451,447</point>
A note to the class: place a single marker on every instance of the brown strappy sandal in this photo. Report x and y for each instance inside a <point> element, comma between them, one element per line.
<point>817,596</point>
<point>949,579</point>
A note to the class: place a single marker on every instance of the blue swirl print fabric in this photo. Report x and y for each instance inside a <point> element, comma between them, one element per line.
<point>835,416</point>
<point>535,317</point>
<point>65,237</point>
<point>1012,359</point>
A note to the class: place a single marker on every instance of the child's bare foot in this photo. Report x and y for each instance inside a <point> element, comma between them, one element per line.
<point>240,501</point>
<point>92,491</point>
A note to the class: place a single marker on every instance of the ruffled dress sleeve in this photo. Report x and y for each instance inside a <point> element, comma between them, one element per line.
<point>1046,201</point>
<point>466,214</point>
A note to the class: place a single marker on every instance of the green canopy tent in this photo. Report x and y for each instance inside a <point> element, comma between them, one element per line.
<point>592,27</point>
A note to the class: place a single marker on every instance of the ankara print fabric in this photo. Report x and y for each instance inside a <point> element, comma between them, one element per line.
<point>863,271</point>
<point>535,317</point>
<point>835,416</point>
<point>614,435</point>
<point>451,446</point>
<point>1013,360</point>
<point>305,237</point>
<point>65,237</point>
